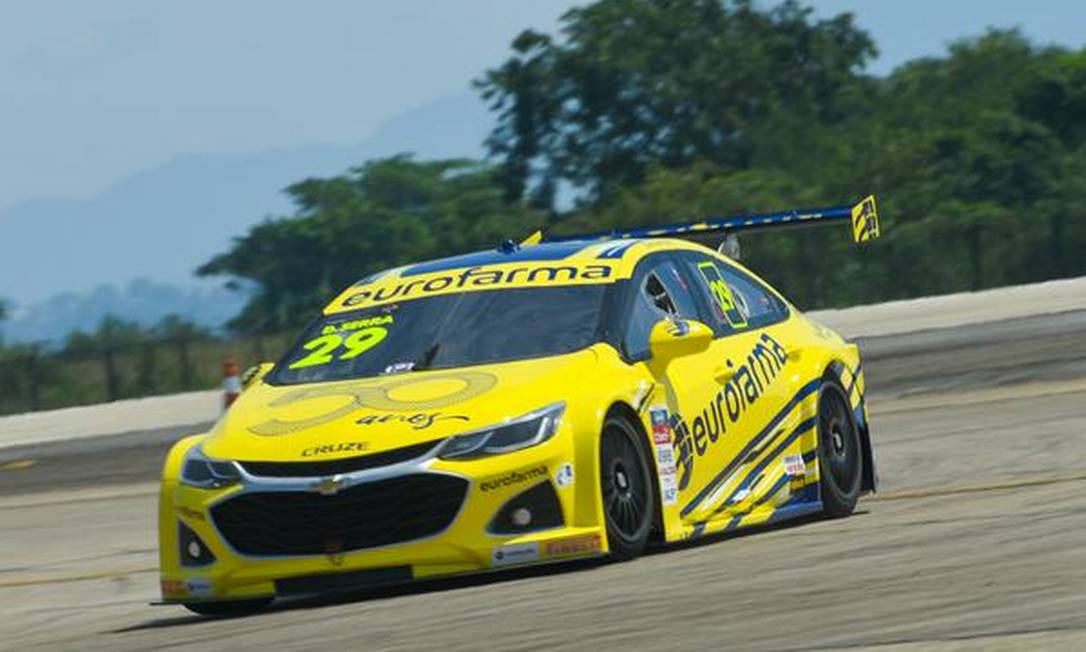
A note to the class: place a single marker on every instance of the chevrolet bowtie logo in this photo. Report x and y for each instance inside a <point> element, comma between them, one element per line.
<point>329,486</point>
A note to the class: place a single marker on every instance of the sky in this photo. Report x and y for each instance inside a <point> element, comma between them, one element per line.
<point>95,91</point>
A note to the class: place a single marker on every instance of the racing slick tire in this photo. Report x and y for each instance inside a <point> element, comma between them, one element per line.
<point>228,608</point>
<point>840,452</point>
<point>626,488</point>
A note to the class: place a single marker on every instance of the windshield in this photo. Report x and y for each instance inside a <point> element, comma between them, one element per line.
<point>453,330</point>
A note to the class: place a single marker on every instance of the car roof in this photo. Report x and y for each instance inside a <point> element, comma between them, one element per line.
<point>570,262</point>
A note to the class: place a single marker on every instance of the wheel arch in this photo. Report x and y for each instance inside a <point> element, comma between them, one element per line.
<point>624,410</point>
<point>836,370</point>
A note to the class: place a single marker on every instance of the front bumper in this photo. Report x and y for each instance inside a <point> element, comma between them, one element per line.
<point>326,542</point>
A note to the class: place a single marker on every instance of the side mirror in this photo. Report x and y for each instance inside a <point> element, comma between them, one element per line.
<point>255,373</point>
<point>670,339</point>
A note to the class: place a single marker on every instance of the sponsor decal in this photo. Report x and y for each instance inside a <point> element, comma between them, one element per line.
<point>520,553</point>
<point>464,386</point>
<point>513,478</point>
<point>478,277</point>
<point>665,454</point>
<point>763,365</point>
<point>400,367</point>
<point>661,425</point>
<point>665,465</point>
<point>172,588</point>
<point>796,469</point>
<point>726,305</point>
<point>199,588</point>
<point>342,447</point>
<point>794,465</point>
<point>583,544</point>
<point>345,327</point>
<point>325,348</point>
<point>564,476</point>
<point>417,421</point>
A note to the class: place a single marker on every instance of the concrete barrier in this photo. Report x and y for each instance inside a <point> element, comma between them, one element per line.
<point>876,320</point>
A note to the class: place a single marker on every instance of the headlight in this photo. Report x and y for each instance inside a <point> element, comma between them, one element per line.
<point>528,430</point>
<point>203,472</point>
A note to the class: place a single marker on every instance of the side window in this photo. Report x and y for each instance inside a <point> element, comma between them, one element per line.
<point>738,301</point>
<point>660,291</point>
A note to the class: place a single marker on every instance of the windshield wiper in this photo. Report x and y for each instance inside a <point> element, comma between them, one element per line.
<point>427,358</point>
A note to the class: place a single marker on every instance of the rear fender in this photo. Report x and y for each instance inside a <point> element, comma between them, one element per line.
<point>851,378</point>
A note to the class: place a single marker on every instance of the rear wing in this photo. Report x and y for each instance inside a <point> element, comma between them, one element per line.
<point>863,219</point>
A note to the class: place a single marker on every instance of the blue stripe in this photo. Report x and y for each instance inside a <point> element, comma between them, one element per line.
<point>540,252</point>
<point>786,512</point>
<point>734,523</point>
<point>855,377</point>
<point>616,251</point>
<point>808,494</point>
<point>753,444</point>
<point>769,459</point>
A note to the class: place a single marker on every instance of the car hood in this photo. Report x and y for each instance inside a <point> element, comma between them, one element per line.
<point>326,421</point>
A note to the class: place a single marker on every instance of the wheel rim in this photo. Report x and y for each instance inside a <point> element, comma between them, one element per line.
<point>625,485</point>
<point>840,448</point>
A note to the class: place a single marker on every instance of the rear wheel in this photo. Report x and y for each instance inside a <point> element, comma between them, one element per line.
<point>626,487</point>
<point>840,457</point>
<point>228,608</point>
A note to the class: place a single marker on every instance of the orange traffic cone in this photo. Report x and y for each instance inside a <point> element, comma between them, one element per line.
<point>231,383</point>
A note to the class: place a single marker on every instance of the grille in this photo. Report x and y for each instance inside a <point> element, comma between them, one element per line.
<point>331,467</point>
<point>365,516</point>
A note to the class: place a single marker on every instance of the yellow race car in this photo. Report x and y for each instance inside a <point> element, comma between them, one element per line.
<point>552,400</point>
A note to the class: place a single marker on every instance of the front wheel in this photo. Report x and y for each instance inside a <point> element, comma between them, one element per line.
<point>840,457</point>
<point>626,487</point>
<point>228,608</point>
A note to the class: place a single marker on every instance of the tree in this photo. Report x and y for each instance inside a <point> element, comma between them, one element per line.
<point>673,110</point>
<point>385,213</point>
<point>113,336</point>
<point>181,333</point>
<point>632,83</point>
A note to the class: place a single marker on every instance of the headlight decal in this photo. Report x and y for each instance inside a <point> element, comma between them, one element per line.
<point>529,430</point>
<point>206,473</point>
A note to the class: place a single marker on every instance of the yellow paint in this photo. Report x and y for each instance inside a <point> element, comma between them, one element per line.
<point>18,465</point>
<point>282,423</point>
<point>865,220</point>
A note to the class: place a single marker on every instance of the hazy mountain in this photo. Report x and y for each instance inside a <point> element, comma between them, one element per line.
<point>141,301</point>
<point>65,263</point>
<point>160,224</point>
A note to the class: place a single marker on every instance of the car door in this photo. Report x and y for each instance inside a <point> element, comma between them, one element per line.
<point>740,446</point>
<point>660,289</point>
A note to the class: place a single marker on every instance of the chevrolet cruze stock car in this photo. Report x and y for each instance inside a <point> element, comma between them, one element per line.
<point>557,399</point>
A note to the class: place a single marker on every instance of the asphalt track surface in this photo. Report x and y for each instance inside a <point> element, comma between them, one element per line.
<point>977,539</point>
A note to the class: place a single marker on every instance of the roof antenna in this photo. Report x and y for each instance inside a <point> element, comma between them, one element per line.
<point>729,246</point>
